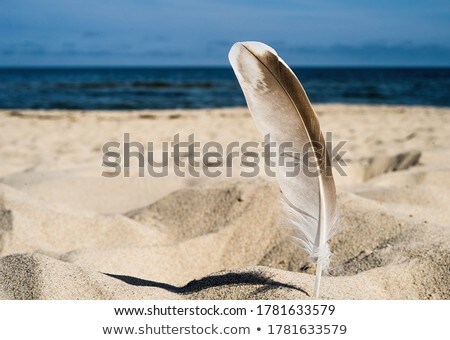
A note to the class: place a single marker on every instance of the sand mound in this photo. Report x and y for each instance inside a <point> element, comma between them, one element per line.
<point>226,226</point>
<point>30,225</point>
<point>35,276</point>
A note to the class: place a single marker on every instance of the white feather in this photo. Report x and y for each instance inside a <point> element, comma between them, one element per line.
<point>281,108</point>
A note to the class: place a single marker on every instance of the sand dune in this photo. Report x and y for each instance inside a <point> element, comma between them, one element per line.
<point>68,233</point>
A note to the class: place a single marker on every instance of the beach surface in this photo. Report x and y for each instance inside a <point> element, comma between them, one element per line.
<point>69,232</point>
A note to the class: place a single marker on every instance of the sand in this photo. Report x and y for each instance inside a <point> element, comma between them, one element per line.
<point>66,232</point>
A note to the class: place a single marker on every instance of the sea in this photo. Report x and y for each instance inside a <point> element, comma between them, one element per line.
<point>126,88</point>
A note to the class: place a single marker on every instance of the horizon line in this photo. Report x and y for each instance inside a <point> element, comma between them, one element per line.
<point>217,66</point>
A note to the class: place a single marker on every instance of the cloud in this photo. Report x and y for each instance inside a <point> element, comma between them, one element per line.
<point>163,53</point>
<point>25,48</point>
<point>91,34</point>
<point>73,49</point>
<point>34,49</point>
<point>371,54</point>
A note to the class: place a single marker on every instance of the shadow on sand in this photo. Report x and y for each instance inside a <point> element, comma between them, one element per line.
<point>211,281</point>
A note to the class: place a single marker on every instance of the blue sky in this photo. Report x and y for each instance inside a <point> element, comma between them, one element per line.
<point>200,32</point>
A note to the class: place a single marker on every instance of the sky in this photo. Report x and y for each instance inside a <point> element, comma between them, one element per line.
<point>201,32</point>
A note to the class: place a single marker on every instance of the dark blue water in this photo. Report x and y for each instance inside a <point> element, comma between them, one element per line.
<point>161,88</point>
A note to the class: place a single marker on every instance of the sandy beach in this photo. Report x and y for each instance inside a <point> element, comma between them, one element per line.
<point>67,232</point>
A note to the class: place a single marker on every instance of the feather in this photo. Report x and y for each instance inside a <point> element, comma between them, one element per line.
<point>281,108</point>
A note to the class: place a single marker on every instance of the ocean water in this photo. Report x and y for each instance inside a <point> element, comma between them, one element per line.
<point>165,88</point>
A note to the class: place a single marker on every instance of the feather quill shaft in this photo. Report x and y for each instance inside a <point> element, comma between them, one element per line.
<point>281,108</point>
